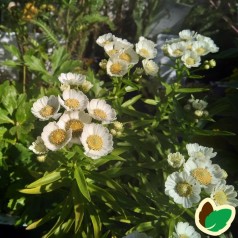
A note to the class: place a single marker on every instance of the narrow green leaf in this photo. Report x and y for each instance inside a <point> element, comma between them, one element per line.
<point>80,179</point>
<point>191,90</point>
<point>150,101</point>
<point>131,101</point>
<point>35,64</point>
<point>48,178</point>
<point>78,208</point>
<point>201,132</point>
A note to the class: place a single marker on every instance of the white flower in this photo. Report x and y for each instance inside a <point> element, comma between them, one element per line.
<point>176,160</point>
<point>129,55</point>
<point>136,234</point>
<point>199,152</point>
<point>104,39</point>
<point>150,67</point>
<point>96,140</point>
<point>187,34</point>
<point>73,100</point>
<point>199,104</point>
<point>201,48</point>
<point>184,230</point>
<point>146,48</point>
<point>72,79</point>
<point>191,59</point>
<point>206,174</point>
<point>46,107</point>
<point>122,43</point>
<point>38,146</point>
<point>177,49</point>
<point>183,188</point>
<point>55,137</point>
<point>224,194</point>
<point>74,120</point>
<point>117,67</point>
<point>212,46</point>
<point>101,111</point>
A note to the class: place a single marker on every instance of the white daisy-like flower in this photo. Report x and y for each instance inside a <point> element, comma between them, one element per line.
<point>212,46</point>
<point>206,174</point>
<point>46,107</point>
<point>112,49</point>
<point>101,111</point>
<point>38,146</point>
<point>183,188</point>
<point>137,234</point>
<point>184,230</point>
<point>117,67</point>
<point>72,79</point>
<point>191,59</point>
<point>201,48</point>
<point>199,152</point>
<point>55,137</point>
<point>224,194</point>
<point>74,120</point>
<point>73,100</point>
<point>96,140</point>
<point>176,160</point>
<point>146,48</point>
<point>187,34</point>
<point>150,67</point>
<point>177,49</point>
<point>104,39</point>
<point>122,43</point>
<point>129,55</point>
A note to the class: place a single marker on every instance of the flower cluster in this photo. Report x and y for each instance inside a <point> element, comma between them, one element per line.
<point>198,105</point>
<point>190,46</point>
<point>197,174</point>
<point>75,126</point>
<point>123,56</point>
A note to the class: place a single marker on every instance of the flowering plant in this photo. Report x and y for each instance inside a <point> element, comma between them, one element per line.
<point>112,152</point>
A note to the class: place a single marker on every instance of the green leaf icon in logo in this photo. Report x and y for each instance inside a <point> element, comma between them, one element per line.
<point>217,220</point>
<point>212,219</point>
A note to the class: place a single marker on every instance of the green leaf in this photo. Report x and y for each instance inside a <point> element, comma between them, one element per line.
<point>217,220</point>
<point>4,118</point>
<point>80,179</point>
<point>150,101</point>
<point>13,50</point>
<point>35,64</point>
<point>131,101</point>
<point>191,90</point>
<point>48,178</point>
<point>11,63</point>
<point>202,132</point>
<point>9,99</point>
<point>59,56</point>
<point>78,208</point>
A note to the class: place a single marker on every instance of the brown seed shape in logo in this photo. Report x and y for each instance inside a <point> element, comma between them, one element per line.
<point>206,210</point>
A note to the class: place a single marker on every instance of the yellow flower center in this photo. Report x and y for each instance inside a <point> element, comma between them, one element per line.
<point>76,126</point>
<point>202,175</point>
<point>220,197</point>
<point>184,189</point>
<point>144,52</point>
<point>177,52</point>
<point>116,68</point>
<point>200,51</point>
<point>94,142</point>
<point>190,61</point>
<point>72,103</point>
<point>126,57</point>
<point>100,113</point>
<point>57,136</point>
<point>47,111</point>
<point>112,52</point>
<point>183,236</point>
